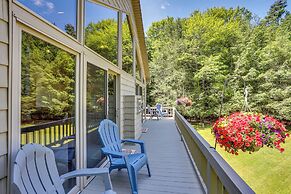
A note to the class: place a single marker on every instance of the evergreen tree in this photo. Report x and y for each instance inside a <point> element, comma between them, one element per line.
<point>276,12</point>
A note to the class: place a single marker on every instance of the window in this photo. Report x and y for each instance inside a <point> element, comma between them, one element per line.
<point>57,12</point>
<point>127,46</point>
<point>101,30</point>
<point>112,92</point>
<point>138,90</point>
<point>48,101</point>
<point>96,112</point>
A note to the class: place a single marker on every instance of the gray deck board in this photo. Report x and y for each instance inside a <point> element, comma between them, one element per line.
<point>171,168</point>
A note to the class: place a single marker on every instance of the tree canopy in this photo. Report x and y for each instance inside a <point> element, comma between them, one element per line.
<point>194,56</point>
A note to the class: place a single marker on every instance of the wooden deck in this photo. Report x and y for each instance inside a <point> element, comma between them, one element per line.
<point>171,168</point>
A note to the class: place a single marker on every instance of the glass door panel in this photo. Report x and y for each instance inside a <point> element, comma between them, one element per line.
<point>96,112</point>
<point>48,101</point>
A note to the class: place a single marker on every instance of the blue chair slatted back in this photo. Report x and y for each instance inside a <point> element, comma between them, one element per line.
<point>110,137</point>
<point>159,107</point>
<point>35,170</point>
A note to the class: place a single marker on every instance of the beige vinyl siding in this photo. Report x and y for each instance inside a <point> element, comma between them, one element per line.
<point>127,87</point>
<point>3,94</point>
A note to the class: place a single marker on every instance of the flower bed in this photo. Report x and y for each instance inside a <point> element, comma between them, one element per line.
<point>249,132</point>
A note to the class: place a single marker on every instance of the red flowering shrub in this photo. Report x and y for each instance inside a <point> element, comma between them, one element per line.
<point>249,132</point>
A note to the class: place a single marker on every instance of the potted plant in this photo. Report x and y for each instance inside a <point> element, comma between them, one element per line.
<point>249,132</point>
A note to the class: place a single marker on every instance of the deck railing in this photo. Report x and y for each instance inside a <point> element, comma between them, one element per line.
<point>50,133</point>
<point>56,132</point>
<point>168,111</point>
<point>217,175</point>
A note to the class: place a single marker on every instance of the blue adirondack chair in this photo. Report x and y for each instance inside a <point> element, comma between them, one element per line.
<point>109,134</point>
<point>159,111</point>
<point>35,172</point>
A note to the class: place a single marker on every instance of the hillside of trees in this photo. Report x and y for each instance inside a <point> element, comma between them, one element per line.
<point>194,56</point>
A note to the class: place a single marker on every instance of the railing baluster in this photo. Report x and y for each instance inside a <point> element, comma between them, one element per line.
<point>27,138</point>
<point>39,137</point>
<point>34,139</point>
<point>63,131</point>
<point>44,136</point>
<point>52,135</point>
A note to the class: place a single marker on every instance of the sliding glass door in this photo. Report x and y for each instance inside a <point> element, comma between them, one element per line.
<point>96,112</point>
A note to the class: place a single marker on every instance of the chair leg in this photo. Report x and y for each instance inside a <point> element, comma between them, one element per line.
<point>110,169</point>
<point>149,172</point>
<point>132,179</point>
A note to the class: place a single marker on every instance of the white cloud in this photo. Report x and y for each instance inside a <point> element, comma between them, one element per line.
<point>165,4</point>
<point>38,2</point>
<point>43,3</point>
<point>61,12</point>
<point>50,6</point>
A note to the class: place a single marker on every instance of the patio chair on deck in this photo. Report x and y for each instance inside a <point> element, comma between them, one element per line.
<point>35,171</point>
<point>109,134</point>
<point>159,111</point>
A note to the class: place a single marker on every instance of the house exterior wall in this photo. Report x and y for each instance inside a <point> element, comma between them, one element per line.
<point>11,11</point>
<point>127,87</point>
<point>4,60</point>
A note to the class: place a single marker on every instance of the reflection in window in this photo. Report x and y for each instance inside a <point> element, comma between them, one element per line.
<point>57,12</point>
<point>140,91</point>
<point>127,46</point>
<point>112,97</point>
<point>96,112</point>
<point>136,89</point>
<point>48,101</point>
<point>101,30</point>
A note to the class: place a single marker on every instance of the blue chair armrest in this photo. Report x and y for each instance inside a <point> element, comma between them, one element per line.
<point>132,141</point>
<point>113,153</point>
<point>141,143</point>
<point>90,172</point>
<point>84,172</point>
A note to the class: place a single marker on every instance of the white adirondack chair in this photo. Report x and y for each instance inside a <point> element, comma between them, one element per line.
<point>35,172</point>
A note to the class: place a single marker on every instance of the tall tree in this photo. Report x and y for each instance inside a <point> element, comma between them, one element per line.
<point>276,12</point>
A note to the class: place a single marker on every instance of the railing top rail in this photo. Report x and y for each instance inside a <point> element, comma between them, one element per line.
<point>229,178</point>
<point>166,107</point>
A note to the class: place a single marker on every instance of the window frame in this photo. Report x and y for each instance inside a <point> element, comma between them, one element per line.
<point>15,75</point>
<point>133,43</point>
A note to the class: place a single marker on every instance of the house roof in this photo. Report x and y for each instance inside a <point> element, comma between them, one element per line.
<point>141,37</point>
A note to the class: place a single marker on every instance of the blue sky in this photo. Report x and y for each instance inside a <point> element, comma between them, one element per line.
<point>59,13</point>
<point>56,11</point>
<point>155,10</point>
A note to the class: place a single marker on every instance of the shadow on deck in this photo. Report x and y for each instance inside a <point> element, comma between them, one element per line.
<point>171,168</point>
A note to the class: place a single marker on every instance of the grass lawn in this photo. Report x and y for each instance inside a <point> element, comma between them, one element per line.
<point>267,171</point>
